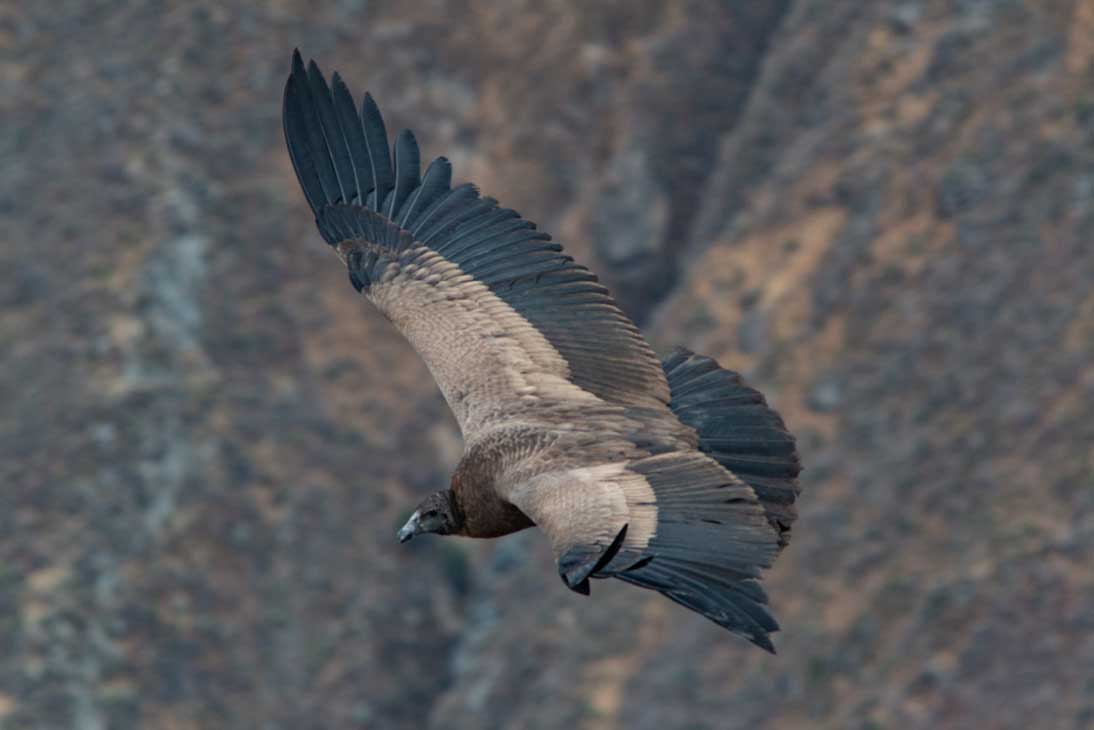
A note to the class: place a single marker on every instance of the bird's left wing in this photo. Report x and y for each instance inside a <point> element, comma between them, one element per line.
<point>510,327</point>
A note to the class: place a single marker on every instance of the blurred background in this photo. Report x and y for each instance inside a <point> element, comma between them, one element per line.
<point>882,213</point>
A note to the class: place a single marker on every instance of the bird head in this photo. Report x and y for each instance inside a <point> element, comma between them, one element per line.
<point>434,514</point>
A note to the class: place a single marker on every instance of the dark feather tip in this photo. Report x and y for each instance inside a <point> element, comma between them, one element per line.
<point>764,642</point>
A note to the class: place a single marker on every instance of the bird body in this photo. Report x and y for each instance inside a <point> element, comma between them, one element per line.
<point>671,475</point>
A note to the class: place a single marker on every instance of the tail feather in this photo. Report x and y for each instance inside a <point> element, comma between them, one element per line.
<point>711,542</point>
<point>735,603</point>
<point>702,583</point>
<point>723,514</point>
<point>739,430</point>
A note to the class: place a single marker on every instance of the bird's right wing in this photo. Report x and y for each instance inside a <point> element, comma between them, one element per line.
<point>586,513</point>
<point>511,329</point>
<point>677,522</point>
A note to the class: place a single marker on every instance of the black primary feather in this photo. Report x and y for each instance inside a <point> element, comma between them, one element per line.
<point>354,137</point>
<point>606,355</point>
<point>314,141</point>
<point>739,430</point>
<point>335,139</point>
<point>407,171</point>
<point>380,156</point>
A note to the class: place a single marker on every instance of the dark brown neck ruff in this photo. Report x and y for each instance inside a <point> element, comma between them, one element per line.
<point>480,512</point>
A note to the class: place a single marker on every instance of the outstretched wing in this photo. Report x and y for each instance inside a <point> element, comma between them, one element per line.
<point>508,325</point>
<point>676,522</point>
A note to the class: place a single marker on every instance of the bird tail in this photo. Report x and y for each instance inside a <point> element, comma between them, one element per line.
<point>710,543</point>
<point>714,529</point>
<point>739,430</point>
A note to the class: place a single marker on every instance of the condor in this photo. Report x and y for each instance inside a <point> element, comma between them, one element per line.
<point>668,474</point>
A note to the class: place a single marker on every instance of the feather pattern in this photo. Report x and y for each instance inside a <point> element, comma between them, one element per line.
<point>335,140</point>
<point>407,171</point>
<point>435,182</point>
<point>739,430</point>
<point>354,138</point>
<point>376,140</point>
<point>606,355</point>
<point>671,475</point>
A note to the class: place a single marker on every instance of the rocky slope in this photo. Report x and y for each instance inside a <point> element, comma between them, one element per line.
<point>882,213</point>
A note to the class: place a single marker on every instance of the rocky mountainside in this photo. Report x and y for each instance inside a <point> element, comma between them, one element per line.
<point>882,213</point>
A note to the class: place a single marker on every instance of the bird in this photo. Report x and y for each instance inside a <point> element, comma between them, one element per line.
<point>668,474</point>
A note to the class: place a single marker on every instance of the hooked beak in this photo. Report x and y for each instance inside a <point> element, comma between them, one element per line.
<point>412,527</point>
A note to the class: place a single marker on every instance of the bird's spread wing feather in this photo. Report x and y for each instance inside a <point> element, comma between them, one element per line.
<point>676,522</point>
<point>583,510</point>
<point>507,323</point>
<point>521,338</point>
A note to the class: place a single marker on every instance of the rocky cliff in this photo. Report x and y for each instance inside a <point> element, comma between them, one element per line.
<point>882,213</point>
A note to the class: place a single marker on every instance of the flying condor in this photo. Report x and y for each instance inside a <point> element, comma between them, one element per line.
<point>669,474</point>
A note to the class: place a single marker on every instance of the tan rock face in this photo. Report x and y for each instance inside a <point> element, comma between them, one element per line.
<point>881,215</point>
